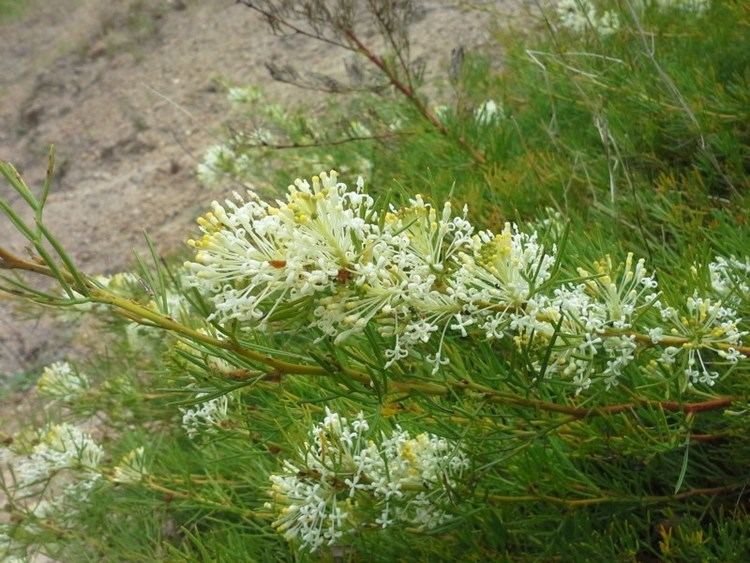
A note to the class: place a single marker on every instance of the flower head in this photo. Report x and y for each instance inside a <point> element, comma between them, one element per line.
<point>343,479</point>
<point>131,468</point>
<point>60,380</point>
<point>205,417</point>
<point>707,326</point>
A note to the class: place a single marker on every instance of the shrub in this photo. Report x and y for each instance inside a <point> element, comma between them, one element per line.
<point>542,356</point>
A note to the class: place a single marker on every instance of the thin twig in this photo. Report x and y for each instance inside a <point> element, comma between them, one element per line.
<point>648,499</point>
<point>355,44</point>
<point>331,143</point>
<point>411,95</point>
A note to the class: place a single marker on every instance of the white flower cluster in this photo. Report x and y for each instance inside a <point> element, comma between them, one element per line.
<point>581,15</point>
<point>49,481</point>
<point>62,381</point>
<point>590,321</point>
<point>205,417</point>
<point>61,447</point>
<point>710,325</point>
<point>131,468</point>
<point>415,274</point>
<point>221,162</point>
<point>344,481</point>
<point>62,467</point>
<point>415,270</point>
<point>730,277</point>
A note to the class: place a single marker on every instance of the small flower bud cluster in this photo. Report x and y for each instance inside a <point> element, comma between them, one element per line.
<point>61,468</point>
<point>582,15</point>
<point>62,381</point>
<point>205,417</point>
<point>131,468</point>
<point>416,274</point>
<point>343,481</point>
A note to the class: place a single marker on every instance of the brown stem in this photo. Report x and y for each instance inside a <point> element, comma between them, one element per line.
<point>9,261</point>
<point>584,412</point>
<point>406,89</point>
<point>411,95</point>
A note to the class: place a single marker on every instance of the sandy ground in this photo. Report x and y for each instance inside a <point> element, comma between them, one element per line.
<point>127,91</point>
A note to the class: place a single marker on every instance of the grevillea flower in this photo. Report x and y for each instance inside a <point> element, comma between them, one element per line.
<point>205,417</point>
<point>708,326</point>
<point>343,480</point>
<point>60,380</point>
<point>131,468</point>
<point>327,258</point>
<point>61,447</point>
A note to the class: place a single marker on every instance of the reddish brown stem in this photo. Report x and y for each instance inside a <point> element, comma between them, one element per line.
<point>10,261</point>
<point>584,412</point>
<point>409,93</point>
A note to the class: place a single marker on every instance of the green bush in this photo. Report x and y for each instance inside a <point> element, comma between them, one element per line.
<point>344,372</point>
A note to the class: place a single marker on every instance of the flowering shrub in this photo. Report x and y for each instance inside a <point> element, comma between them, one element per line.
<point>334,262</point>
<point>544,356</point>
